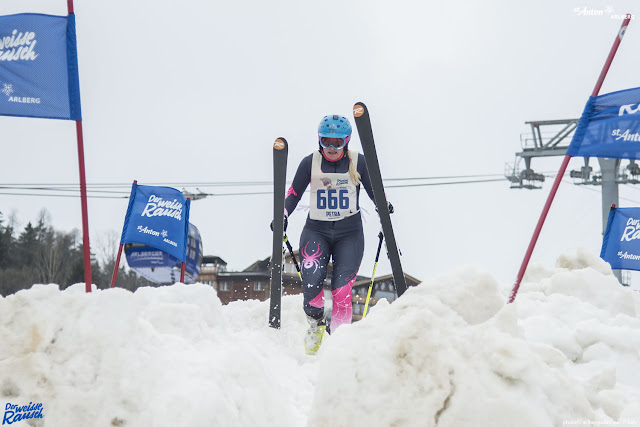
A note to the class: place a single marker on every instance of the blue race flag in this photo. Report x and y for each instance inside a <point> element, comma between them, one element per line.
<point>621,243</point>
<point>609,127</point>
<point>39,67</point>
<point>157,217</point>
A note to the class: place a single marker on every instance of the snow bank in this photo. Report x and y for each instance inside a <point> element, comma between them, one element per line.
<point>159,356</point>
<point>448,353</point>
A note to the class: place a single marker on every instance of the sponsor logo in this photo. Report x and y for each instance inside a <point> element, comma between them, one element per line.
<point>146,254</point>
<point>18,46</point>
<point>157,206</point>
<point>609,12</point>
<point>14,413</point>
<point>631,231</point>
<point>358,110</point>
<point>586,11</point>
<point>332,214</point>
<point>279,144</point>
<point>627,255</point>
<point>342,182</point>
<point>629,109</point>
<point>147,230</point>
<point>626,135</point>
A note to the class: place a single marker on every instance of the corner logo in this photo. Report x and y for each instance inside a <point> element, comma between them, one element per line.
<point>14,413</point>
<point>358,110</point>
<point>7,89</point>
<point>279,144</point>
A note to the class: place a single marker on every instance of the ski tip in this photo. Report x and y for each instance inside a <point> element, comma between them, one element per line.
<point>280,143</point>
<point>359,109</point>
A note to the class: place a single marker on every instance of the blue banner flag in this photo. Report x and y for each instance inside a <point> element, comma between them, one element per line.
<point>157,217</point>
<point>609,127</point>
<point>39,67</point>
<point>621,243</point>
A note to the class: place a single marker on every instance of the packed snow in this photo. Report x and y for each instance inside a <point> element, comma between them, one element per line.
<point>449,352</point>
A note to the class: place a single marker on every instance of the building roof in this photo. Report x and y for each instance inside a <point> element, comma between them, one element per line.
<point>411,281</point>
<point>260,265</point>
<point>212,259</point>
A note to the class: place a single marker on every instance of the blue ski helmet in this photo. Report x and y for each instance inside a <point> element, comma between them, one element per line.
<point>334,126</point>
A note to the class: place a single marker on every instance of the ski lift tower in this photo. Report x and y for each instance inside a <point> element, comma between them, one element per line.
<point>552,138</point>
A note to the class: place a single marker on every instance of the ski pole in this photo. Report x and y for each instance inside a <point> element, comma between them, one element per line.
<point>373,275</point>
<point>295,261</point>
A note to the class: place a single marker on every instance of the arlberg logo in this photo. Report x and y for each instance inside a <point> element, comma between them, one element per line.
<point>278,144</point>
<point>146,254</point>
<point>358,110</point>
<point>7,89</point>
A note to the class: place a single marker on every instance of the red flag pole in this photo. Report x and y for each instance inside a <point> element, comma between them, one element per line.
<point>85,211</point>
<point>83,195</point>
<point>184,264</point>
<point>563,166</point>
<point>117,266</point>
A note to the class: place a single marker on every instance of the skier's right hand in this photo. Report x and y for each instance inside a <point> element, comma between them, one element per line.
<point>389,206</point>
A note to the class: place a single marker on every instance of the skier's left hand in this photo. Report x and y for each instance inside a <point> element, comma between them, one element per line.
<point>286,222</point>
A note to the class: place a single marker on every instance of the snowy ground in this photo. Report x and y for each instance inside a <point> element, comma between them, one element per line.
<point>448,353</point>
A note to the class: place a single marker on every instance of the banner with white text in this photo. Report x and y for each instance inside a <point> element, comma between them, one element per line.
<point>621,243</point>
<point>157,217</point>
<point>609,127</point>
<point>39,67</point>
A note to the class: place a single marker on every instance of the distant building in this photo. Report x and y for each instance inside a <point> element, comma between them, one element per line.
<point>211,266</point>
<point>383,287</point>
<point>254,282</point>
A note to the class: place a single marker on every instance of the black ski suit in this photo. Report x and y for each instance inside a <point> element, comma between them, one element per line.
<point>340,239</point>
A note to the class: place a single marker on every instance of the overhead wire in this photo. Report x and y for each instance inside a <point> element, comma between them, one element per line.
<point>94,190</point>
<point>109,190</point>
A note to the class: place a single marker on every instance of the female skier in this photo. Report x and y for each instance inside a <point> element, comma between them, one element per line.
<point>334,226</point>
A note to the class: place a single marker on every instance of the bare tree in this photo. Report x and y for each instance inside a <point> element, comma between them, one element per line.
<point>107,248</point>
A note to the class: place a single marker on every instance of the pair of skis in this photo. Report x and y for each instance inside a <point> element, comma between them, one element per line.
<point>280,151</point>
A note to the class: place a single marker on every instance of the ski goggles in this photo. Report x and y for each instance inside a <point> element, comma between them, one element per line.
<point>325,143</point>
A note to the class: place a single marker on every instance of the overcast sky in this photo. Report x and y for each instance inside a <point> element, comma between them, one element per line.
<point>196,92</point>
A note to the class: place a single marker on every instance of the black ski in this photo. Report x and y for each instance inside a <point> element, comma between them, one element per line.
<point>363,123</point>
<point>280,150</point>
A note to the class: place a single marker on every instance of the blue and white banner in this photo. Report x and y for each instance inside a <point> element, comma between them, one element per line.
<point>39,67</point>
<point>609,127</point>
<point>621,243</point>
<point>157,217</point>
